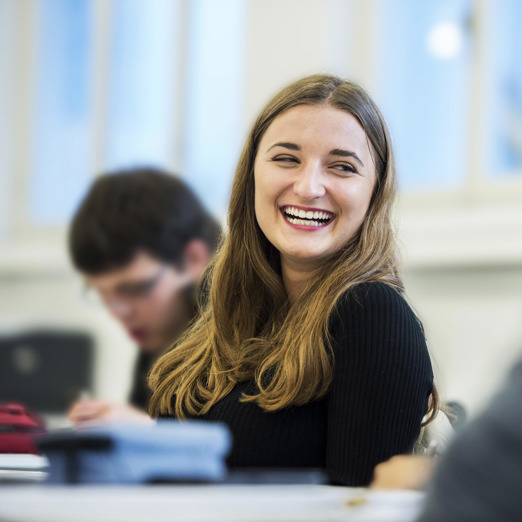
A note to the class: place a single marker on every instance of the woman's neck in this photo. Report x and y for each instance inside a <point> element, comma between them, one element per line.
<point>296,277</point>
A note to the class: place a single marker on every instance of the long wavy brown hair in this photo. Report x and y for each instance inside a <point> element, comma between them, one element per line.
<point>248,329</point>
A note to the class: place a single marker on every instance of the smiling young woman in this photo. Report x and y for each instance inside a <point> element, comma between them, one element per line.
<point>306,347</point>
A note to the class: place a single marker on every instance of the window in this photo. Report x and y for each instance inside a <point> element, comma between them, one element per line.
<point>61,158</point>
<point>142,85</point>
<point>503,88</point>
<point>215,76</point>
<point>129,82</point>
<point>422,83</point>
<point>92,86</point>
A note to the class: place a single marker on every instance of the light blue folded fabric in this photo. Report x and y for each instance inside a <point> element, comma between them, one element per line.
<point>187,451</point>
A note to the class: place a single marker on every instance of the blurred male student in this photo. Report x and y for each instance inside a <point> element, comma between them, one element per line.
<point>141,240</point>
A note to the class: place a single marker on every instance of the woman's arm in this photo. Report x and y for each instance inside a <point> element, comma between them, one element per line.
<point>381,385</point>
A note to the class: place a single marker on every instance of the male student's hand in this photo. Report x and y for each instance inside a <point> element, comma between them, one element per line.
<point>93,411</point>
<point>403,472</point>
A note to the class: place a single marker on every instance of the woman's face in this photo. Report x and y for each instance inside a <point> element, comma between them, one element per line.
<point>314,177</point>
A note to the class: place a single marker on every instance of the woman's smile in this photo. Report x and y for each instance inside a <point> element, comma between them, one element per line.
<point>305,218</point>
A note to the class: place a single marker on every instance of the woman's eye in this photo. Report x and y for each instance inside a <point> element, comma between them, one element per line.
<point>345,167</point>
<point>285,159</point>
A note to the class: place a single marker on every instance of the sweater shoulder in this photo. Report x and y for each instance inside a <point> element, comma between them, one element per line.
<point>366,298</point>
<point>377,319</point>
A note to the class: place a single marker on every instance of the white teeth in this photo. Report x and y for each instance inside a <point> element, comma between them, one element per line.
<point>296,221</point>
<point>295,216</point>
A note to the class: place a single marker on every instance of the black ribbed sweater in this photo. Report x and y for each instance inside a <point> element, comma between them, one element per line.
<point>373,409</point>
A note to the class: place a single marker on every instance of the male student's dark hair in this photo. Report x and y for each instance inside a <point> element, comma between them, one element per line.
<point>137,209</point>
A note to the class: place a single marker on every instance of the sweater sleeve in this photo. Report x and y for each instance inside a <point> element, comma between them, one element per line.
<point>381,384</point>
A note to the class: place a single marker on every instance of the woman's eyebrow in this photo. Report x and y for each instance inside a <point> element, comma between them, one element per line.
<point>345,153</point>
<point>334,152</point>
<point>286,145</point>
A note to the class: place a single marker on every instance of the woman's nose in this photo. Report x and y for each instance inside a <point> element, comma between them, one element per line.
<point>309,183</point>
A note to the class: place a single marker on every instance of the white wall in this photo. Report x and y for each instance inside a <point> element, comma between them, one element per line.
<point>472,317</point>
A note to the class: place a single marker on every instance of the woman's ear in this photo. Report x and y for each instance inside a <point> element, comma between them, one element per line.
<point>195,258</point>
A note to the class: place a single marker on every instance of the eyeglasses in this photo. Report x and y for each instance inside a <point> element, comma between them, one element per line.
<point>125,293</point>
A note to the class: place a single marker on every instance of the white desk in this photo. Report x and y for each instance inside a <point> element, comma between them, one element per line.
<point>38,503</point>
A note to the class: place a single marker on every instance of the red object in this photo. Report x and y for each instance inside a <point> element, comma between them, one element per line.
<point>18,429</point>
